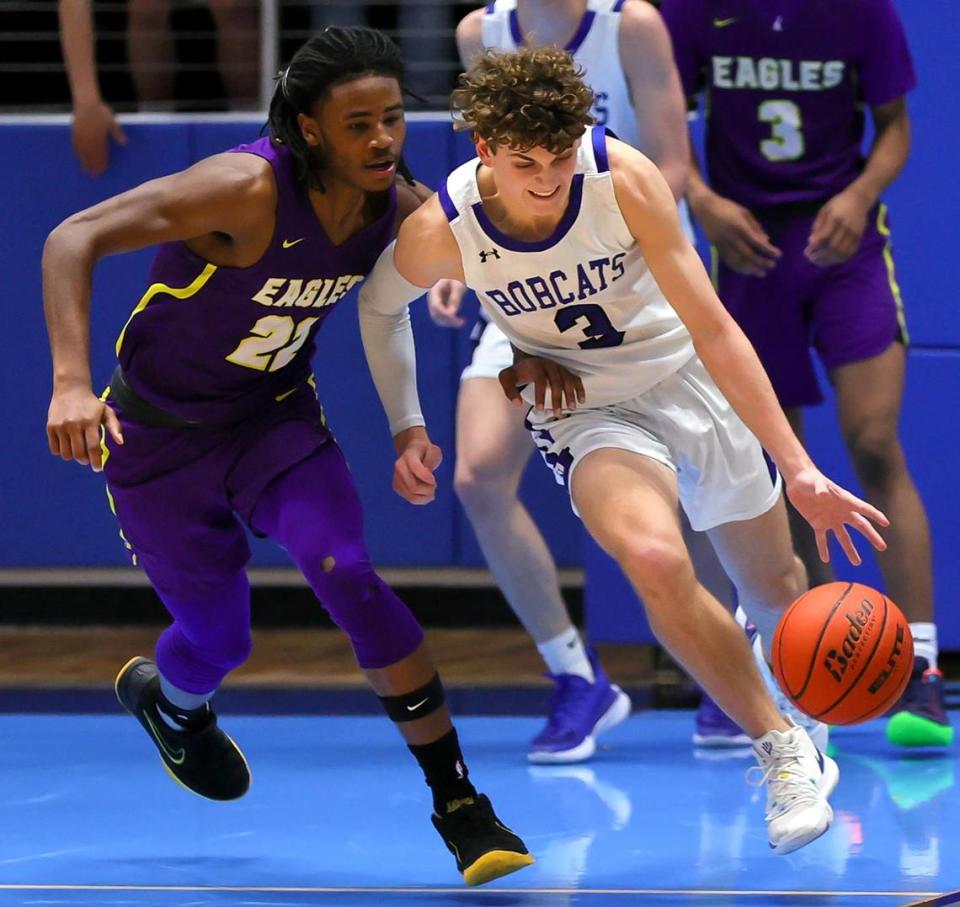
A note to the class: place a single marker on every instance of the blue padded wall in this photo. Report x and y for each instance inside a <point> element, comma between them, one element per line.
<point>55,514</point>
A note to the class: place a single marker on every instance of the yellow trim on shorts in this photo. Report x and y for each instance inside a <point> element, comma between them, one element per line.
<point>177,292</point>
<point>714,267</point>
<point>104,450</point>
<point>113,504</point>
<point>312,381</point>
<point>884,231</point>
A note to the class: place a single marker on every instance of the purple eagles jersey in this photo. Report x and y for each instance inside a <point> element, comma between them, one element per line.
<point>215,344</point>
<point>785,81</point>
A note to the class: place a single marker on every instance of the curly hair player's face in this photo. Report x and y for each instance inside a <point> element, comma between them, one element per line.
<point>358,132</point>
<point>535,181</point>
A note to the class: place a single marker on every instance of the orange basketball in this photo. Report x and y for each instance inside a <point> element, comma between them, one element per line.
<point>843,653</point>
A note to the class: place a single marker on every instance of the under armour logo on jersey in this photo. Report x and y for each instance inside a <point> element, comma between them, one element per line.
<point>484,255</point>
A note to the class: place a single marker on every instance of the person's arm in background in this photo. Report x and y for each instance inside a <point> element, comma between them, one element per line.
<point>737,235</point>
<point>885,74</point>
<point>446,296</point>
<point>838,229</point>
<point>739,238</point>
<point>93,121</point>
<point>646,56</point>
<point>469,37</point>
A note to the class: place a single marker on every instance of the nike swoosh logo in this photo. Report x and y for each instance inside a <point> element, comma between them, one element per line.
<point>289,244</point>
<point>175,756</point>
<point>723,23</point>
<point>284,396</point>
<point>413,708</point>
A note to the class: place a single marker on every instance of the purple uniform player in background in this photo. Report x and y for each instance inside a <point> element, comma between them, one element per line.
<point>801,245</point>
<point>213,421</point>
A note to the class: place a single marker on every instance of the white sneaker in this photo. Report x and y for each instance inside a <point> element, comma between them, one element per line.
<point>818,731</point>
<point>799,780</point>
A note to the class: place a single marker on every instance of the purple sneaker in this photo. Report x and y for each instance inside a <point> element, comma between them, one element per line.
<point>715,729</point>
<point>579,711</point>
<point>920,717</point>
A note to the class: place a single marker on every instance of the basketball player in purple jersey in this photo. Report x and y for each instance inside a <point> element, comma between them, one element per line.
<point>213,407</point>
<point>803,254</point>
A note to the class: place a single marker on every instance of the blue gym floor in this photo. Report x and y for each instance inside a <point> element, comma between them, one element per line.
<point>338,815</point>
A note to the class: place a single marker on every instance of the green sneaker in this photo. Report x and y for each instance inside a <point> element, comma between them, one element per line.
<point>920,717</point>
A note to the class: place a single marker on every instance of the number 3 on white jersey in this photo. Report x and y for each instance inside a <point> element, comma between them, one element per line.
<point>786,138</point>
<point>271,347</point>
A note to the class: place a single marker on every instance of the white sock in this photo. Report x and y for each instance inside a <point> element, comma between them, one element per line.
<point>925,641</point>
<point>565,654</point>
<point>182,701</point>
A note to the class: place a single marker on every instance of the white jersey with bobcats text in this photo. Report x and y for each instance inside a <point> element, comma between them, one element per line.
<point>594,45</point>
<point>583,296</point>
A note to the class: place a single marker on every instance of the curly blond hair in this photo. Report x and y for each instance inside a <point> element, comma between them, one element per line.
<point>532,98</point>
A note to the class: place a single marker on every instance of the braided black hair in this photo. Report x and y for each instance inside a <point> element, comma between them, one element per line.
<point>331,57</point>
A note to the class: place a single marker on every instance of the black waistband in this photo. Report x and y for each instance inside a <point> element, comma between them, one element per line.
<point>136,409</point>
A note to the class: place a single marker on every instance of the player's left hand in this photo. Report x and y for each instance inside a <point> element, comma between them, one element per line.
<point>838,229</point>
<point>443,303</point>
<point>413,472</point>
<point>829,508</point>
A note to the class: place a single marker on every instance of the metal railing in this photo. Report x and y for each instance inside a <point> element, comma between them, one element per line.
<point>33,74</point>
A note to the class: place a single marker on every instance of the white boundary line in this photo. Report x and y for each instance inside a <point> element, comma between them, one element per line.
<point>493,892</point>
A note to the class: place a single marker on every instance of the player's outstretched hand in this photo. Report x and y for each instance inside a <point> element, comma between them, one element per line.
<point>73,426</point>
<point>829,508</point>
<point>566,388</point>
<point>742,242</point>
<point>93,126</point>
<point>417,460</point>
<point>837,229</point>
<point>443,303</point>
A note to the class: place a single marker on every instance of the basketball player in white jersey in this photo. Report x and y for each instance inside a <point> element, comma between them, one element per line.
<point>589,251</point>
<point>625,50</point>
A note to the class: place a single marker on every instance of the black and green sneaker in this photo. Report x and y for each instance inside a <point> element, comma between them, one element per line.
<point>484,847</point>
<point>205,761</point>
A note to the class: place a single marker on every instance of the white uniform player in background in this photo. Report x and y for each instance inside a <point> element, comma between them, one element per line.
<point>611,310</point>
<point>624,49</point>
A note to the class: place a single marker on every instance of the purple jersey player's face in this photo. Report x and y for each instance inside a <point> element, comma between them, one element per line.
<point>534,181</point>
<point>360,130</point>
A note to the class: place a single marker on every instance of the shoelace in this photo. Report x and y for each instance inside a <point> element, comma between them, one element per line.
<point>796,788</point>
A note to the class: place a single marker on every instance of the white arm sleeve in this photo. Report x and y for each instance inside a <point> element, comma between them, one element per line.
<point>388,341</point>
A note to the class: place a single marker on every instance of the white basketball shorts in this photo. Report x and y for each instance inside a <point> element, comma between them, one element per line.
<point>685,423</point>
<point>492,352</point>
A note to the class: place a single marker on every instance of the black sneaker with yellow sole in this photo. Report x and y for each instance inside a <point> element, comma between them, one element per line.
<point>484,847</point>
<point>205,761</point>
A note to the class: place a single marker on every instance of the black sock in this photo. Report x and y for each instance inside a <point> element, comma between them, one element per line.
<point>445,770</point>
<point>184,719</point>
